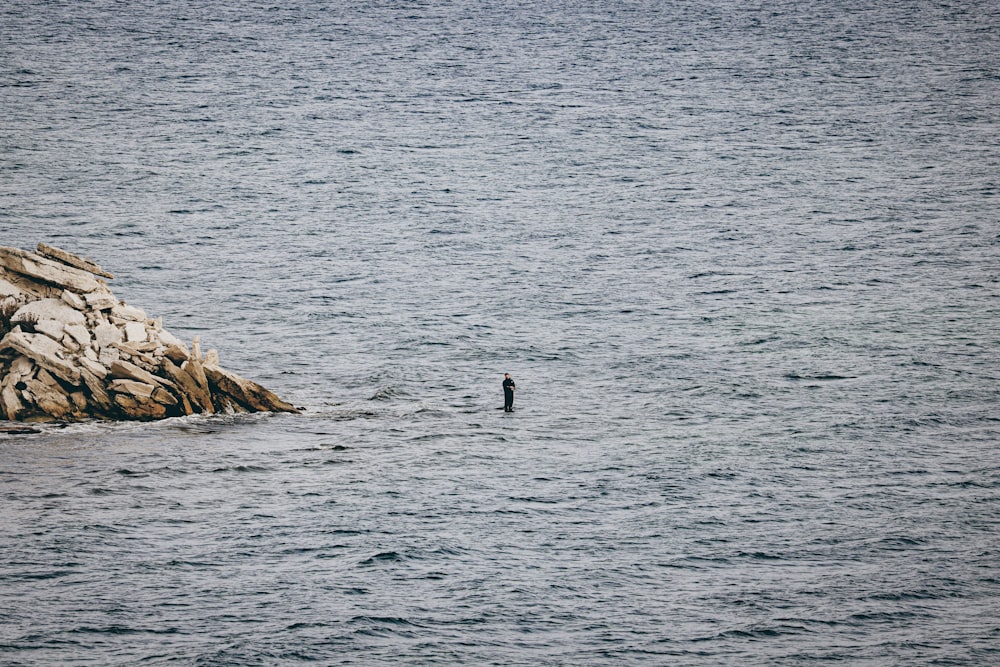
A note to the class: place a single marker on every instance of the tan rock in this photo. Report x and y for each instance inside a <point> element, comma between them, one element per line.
<point>75,261</point>
<point>140,358</point>
<point>176,354</point>
<point>50,400</point>
<point>132,387</point>
<point>47,270</point>
<point>171,341</point>
<point>46,378</point>
<point>194,368</point>
<point>140,409</point>
<point>198,395</point>
<point>186,407</point>
<point>79,401</point>
<point>98,395</point>
<point>128,371</point>
<point>148,347</point>
<point>142,390</point>
<point>11,402</point>
<point>87,354</point>
<point>246,392</point>
<point>43,351</point>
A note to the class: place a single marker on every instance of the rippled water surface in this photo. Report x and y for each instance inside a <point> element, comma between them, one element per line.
<point>743,261</point>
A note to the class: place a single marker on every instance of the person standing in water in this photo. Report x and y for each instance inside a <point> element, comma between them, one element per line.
<point>508,393</point>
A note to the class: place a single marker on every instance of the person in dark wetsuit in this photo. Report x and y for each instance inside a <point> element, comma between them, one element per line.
<point>508,393</point>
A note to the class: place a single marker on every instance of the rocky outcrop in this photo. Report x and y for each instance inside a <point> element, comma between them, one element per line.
<point>70,351</point>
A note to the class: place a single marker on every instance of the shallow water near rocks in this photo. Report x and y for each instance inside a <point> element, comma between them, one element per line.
<point>741,261</point>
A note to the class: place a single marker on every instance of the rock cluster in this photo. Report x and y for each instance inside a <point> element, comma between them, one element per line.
<point>70,350</point>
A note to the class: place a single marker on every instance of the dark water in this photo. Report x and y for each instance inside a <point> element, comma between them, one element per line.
<point>743,260</point>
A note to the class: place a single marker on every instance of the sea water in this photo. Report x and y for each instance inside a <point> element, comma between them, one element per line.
<point>742,260</point>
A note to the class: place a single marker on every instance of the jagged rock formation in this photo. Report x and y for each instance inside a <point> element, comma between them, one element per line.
<point>70,350</point>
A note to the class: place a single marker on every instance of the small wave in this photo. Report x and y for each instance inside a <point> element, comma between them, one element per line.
<point>386,394</point>
<point>756,633</point>
<point>386,620</point>
<point>821,377</point>
<point>383,557</point>
<point>242,468</point>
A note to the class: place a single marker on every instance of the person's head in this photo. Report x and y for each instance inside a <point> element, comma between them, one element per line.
<point>507,375</point>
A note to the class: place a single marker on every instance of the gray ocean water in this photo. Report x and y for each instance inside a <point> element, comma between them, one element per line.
<point>742,259</point>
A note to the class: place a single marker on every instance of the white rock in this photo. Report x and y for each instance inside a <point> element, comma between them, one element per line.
<point>127,312</point>
<point>21,367</point>
<point>108,355</point>
<point>100,300</point>
<point>95,367</point>
<point>9,289</point>
<point>70,343</point>
<point>107,334</point>
<point>51,309</point>
<point>51,328</point>
<point>171,340</point>
<point>79,333</point>
<point>135,332</point>
<point>73,300</point>
<point>133,387</point>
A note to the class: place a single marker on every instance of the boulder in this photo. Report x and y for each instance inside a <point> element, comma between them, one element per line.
<point>247,393</point>
<point>49,271</point>
<point>73,260</point>
<point>50,309</point>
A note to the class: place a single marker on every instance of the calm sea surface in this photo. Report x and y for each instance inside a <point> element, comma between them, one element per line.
<point>742,259</point>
